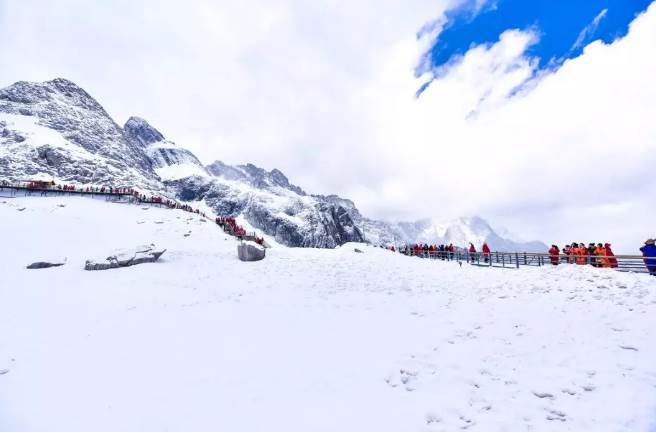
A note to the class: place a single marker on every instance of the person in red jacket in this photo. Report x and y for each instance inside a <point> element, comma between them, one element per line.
<point>486,252</point>
<point>612,261</point>
<point>553,254</point>
<point>472,251</point>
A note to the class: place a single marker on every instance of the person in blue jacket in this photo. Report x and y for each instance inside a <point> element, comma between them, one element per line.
<point>649,254</point>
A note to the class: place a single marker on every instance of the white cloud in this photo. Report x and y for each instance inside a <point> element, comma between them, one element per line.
<point>325,91</point>
<point>589,30</point>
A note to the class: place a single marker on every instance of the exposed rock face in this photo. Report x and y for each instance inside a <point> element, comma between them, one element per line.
<point>123,258</point>
<point>139,132</point>
<point>291,218</point>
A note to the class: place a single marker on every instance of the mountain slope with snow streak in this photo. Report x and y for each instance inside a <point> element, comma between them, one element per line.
<point>308,339</point>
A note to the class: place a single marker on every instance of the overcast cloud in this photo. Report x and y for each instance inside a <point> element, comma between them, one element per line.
<point>325,91</point>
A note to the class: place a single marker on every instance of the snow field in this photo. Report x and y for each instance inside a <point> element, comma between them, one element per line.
<point>307,338</point>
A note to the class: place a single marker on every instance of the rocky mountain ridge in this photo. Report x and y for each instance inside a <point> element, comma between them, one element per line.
<point>56,130</point>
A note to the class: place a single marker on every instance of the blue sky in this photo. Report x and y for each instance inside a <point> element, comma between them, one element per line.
<point>564,26</point>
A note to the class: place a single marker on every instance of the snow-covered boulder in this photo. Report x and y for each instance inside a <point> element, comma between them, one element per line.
<point>123,258</point>
<point>250,251</point>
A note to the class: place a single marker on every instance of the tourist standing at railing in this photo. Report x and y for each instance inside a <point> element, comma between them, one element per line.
<point>578,251</point>
<point>600,253</point>
<point>591,253</point>
<point>649,254</point>
<point>612,261</point>
<point>573,250</point>
<point>553,254</point>
<point>486,252</point>
<point>567,251</point>
<point>472,251</point>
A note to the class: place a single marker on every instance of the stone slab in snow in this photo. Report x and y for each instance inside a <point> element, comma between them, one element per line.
<point>45,264</point>
<point>250,251</point>
<point>123,258</point>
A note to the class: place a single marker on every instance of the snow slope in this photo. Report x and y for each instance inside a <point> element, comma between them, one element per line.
<point>308,338</point>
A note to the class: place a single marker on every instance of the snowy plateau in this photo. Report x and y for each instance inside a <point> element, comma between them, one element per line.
<point>307,339</point>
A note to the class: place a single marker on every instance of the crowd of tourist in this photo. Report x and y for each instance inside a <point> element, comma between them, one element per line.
<point>598,255</point>
<point>442,252</point>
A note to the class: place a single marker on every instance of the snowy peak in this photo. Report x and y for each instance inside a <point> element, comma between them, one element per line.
<point>169,161</point>
<point>465,230</point>
<point>138,130</point>
<point>27,93</point>
<point>57,130</point>
<point>253,175</point>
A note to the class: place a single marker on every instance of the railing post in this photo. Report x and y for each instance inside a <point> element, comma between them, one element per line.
<point>517,259</point>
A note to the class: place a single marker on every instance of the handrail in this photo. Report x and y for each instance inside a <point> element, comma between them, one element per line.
<point>626,263</point>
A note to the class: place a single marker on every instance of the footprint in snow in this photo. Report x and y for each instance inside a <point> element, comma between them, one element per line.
<point>543,395</point>
<point>4,371</point>
<point>625,347</point>
<point>556,415</point>
<point>432,419</point>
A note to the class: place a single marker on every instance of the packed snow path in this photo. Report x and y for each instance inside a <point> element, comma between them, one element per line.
<point>306,339</point>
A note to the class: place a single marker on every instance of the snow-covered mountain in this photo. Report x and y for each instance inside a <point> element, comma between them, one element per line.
<point>56,130</point>
<point>169,161</point>
<point>461,232</point>
<point>269,203</point>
